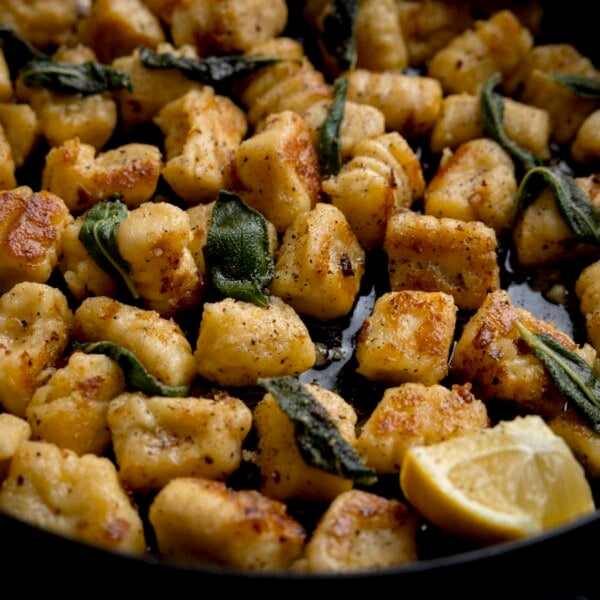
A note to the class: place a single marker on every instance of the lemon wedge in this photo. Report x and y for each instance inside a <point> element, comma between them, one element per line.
<point>509,481</point>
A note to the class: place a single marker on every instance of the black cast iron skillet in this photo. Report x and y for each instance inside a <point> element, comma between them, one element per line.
<point>563,563</point>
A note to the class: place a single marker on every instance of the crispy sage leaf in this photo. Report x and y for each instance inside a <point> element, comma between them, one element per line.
<point>86,78</point>
<point>571,374</point>
<point>338,34</point>
<point>585,87</point>
<point>574,205</point>
<point>17,50</point>
<point>237,250</point>
<point>98,234</point>
<point>210,70</point>
<point>330,152</point>
<point>136,374</point>
<point>491,107</point>
<point>319,440</point>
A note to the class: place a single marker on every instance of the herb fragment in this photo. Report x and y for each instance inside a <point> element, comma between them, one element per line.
<point>98,234</point>
<point>580,85</point>
<point>491,107</point>
<point>210,70</point>
<point>319,440</point>
<point>338,34</point>
<point>237,251</point>
<point>86,78</point>
<point>329,147</point>
<point>17,50</point>
<point>571,374</point>
<point>136,374</point>
<point>574,205</point>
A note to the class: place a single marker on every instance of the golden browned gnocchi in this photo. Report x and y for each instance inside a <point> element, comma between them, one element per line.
<point>251,267</point>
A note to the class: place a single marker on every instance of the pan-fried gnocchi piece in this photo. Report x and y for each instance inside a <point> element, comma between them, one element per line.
<point>45,23</point>
<point>583,440</point>
<point>585,148</point>
<point>82,274</point>
<point>35,328</point>
<point>429,26</point>
<point>238,342</point>
<point>529,84</point>
<point>540,234</point>
<point>477,182</point>
<point>494,45</point>
<point>414,414</point>
<point>153,239</point>
<point>151,88</point>
<point>359,121</point>
<point>13,431</point>
<point>407,337</point>
<point>379,41</point>
<point>31,228</point>
<point>6,86</point>
<point>7,163</point>
<point>227,26</point>
<point>285,475</point>
<point>410,103</point>
<point>79,497</point>
<point>319,264</point>
<point>360,530</point>
<point>61,117</point>
<point>203,522</point>
<point>587,289</point>
<point>378,34</point>
<point>278,169</point>
<point>70,409</point>
<point>442,254</point>
<point>157,439</point>
<point>114,28</point>
<point>383,175</point>
<point>20,125</point>
<point>202,133</point>
<point>158,343</point>
<point>491,354</point>
<point>82,177</point>
<point>460,121</point>
<point>285,85</point>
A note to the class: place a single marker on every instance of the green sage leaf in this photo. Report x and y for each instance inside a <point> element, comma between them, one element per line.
<point>491,107</point>
<point>572,375</point>
<point>136,374</point>
<point>580,85</point>
<point>17,50</point>
<point>338,35</point>
<point>237,251</point>
<point>574,205</point>
<point>319,440</point>
<point>210,70</point>
<point>98,235</point>
<point>86,79</point>
<point>329,146</point>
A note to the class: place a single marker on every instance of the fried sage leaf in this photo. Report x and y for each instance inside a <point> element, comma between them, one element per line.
<point>17,50</point>
<point>491,108</point>
<point>210,70</point>
<point>329,148</point>
<point>237,252</point>
<point>98,234</point>
<point>338,33</point>
<point>574,205</point>
<point>86,78</point>
<point>136,374</point>
<point>580,85</point>
<point>319,440</point>
<point>572,375</point>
